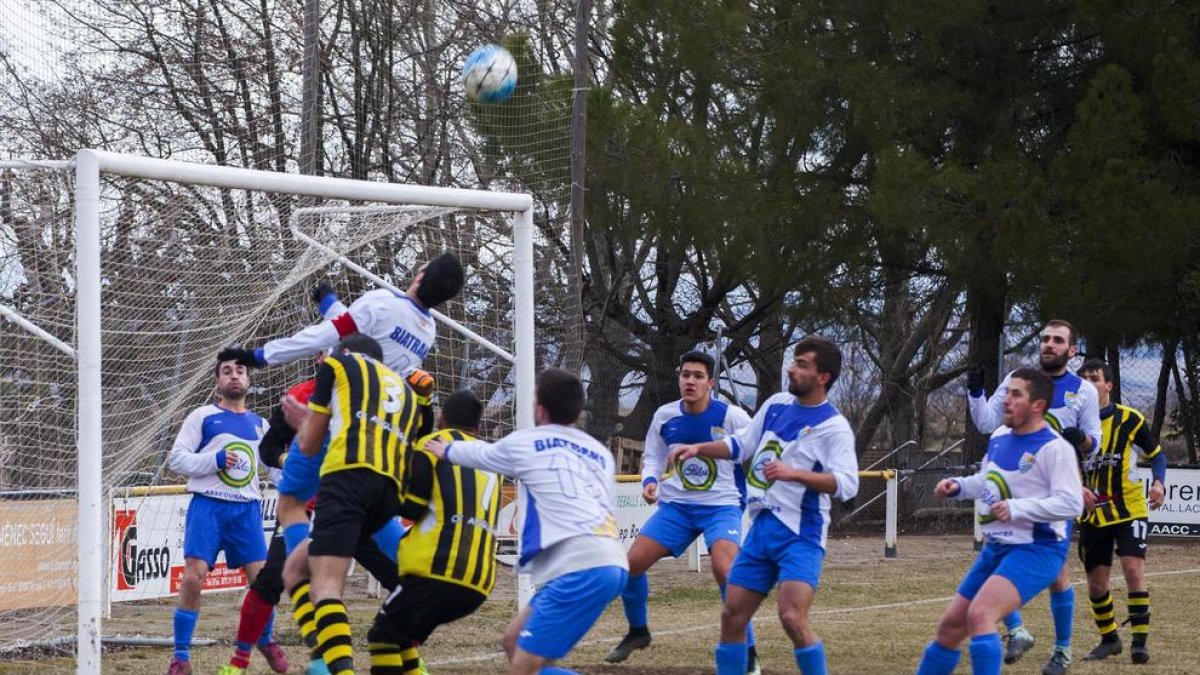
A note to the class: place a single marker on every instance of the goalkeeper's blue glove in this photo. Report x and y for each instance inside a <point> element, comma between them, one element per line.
<point>323,296</point>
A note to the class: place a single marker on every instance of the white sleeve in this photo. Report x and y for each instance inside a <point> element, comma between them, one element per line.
<point>988,414</point>
<point>184,458</point>
<point>743,444</point>
<point>971,487</point>
<point>335,309</point>
<point>495,457</point>
<point>654,453</point>
<point>307,342</point>
<point>736,419</point>
<point>840,459</point>
<point>1089,415</point>
<point>1065,501</point>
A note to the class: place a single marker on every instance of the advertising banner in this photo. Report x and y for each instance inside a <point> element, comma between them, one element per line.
<point>37,553</point>
<point>1180,514</point>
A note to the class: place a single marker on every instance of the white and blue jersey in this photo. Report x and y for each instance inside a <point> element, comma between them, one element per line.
<point>1037,475</point>
<point>1075,404</point>
<point>568,481</point>
<point>206,436</point>
<point>699,480</point>
<point>813,438</point>
<point>224,513</point>
<point>403,329</point>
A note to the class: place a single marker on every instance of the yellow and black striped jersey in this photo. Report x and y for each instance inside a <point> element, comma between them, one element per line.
<point>1109,472</point>
<point>372,413</point>
<point>454,508</point>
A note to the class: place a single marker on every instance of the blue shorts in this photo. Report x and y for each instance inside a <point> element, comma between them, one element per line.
<point>773,553</point>
<point>1030,567</point>
<point>301,473</point>
<point>215,525</point>
<point>676,525</point>
<point>564,610</point>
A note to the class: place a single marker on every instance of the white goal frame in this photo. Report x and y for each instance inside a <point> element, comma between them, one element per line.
<point>89,165</point>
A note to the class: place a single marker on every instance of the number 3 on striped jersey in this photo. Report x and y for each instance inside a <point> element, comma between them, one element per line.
<point>393,396</point>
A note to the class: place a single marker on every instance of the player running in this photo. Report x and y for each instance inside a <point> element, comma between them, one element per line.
<point>1028,490</point>
<point>702,496</point>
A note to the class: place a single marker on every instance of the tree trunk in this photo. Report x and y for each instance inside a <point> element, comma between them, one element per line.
<point>1169,347</point>
<point>985,306</point>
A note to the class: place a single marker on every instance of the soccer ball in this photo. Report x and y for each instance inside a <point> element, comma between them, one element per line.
<point>490,74</point>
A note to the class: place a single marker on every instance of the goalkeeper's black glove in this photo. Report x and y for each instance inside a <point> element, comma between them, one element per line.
<point>975,380</point>
<point>320,291</point>
<point>1076,437</point>
<point>247,357</point>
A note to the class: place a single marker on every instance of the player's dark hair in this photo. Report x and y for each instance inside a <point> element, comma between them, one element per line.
<point>443,280</point>
<point>1041,387</point>
<point>248,363</point>
<point>462,410</point>
<point>358,343</point>
<point>560,392</point>
<point>1072,337</point>
<point>1096,366</point>
<point>699,357</point>
<point>826,353</point>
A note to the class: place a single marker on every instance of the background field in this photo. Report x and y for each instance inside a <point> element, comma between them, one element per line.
<point>875,614</point>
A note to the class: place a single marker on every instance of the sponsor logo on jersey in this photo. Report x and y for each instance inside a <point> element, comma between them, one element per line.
<point>995,489</point>
<point>697,473</point>
<point>243,470</point>
<point>769,452</point>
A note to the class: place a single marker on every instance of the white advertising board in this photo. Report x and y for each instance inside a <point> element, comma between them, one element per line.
<point>147,547</point>
<point>1180,514</point>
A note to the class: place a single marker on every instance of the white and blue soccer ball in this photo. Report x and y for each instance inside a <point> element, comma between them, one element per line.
<point>490,74</point>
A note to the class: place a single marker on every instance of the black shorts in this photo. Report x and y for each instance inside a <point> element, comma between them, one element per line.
<point>269,582</point>
<point>418,606</point>
<point>1096,544</point>
<point>352,504</point>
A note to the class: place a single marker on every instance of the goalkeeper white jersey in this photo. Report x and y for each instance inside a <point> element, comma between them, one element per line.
<point>404,330</point>
<point>568,481</point>
<point>700,480</point>
<point>1037,475</point>
<point>813,438</point>
<point>203,435</point>
<point>1075,404</point>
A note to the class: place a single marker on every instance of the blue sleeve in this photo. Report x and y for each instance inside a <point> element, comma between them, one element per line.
<point>1158,467</point>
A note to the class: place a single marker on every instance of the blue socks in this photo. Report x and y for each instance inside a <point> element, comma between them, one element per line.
<point>1062,606</point>
<point>387,538</point>
<point>633,598</point>
<point>731,658</point>
<point>938,660</point>
<point>268,635</point>
<point>811,659</point>
<point>294,535</point>
<point>987,655</point>
<point>552,670</point>
<point>1013,621</point>
<point>185,626</point>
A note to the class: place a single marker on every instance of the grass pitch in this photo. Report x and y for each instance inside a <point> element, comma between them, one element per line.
<point>875,615</point>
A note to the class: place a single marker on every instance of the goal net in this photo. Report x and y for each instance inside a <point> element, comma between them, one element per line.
<point>192,259</point>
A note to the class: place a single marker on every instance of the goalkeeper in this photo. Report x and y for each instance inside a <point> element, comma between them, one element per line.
<point>401,324</point>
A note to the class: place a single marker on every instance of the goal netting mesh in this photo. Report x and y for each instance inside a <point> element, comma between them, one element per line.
<point>186,270</point>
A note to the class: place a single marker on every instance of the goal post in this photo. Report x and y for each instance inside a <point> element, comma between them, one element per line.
<point>139,330</point>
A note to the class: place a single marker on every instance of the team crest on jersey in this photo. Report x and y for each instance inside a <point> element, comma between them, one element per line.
<point>1072,399</point>
<point>717,433</point>
<point>805,431</point>
<point>1026,463</point>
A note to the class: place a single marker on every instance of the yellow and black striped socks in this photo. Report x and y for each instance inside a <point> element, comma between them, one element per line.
<point>303,611</point>
<point>1105,616</point>
<point>333,636</point>
<point>1139,616</point>
<point>391,659</point>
